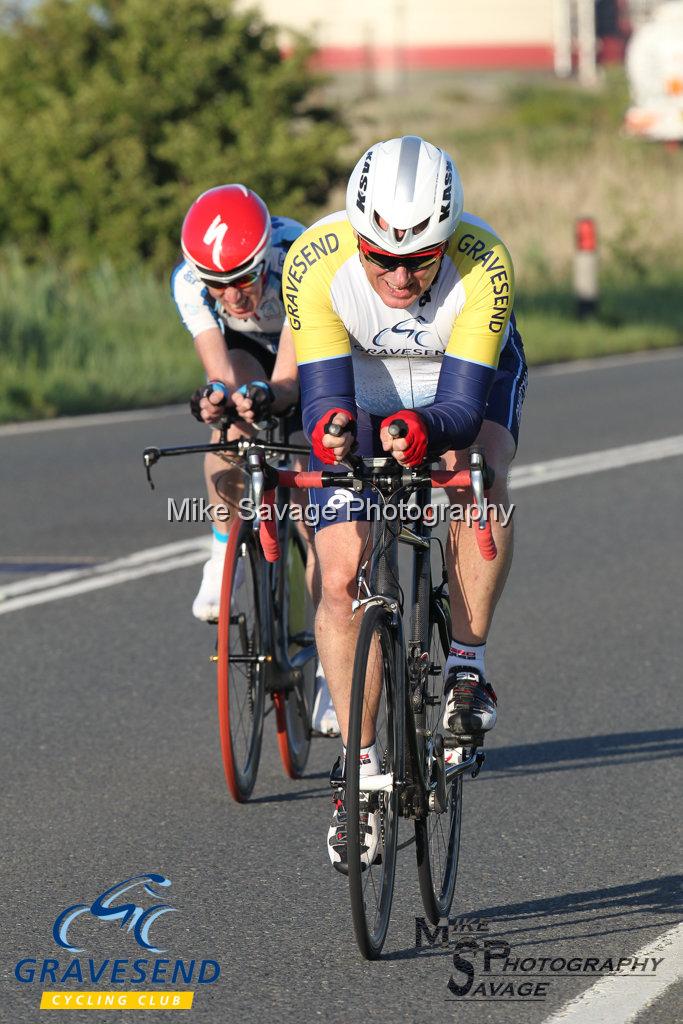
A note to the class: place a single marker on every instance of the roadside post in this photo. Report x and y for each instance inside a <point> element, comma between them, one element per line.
<point>586,285</point>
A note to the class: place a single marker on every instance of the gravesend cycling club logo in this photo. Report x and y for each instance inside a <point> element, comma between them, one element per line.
<point>488,969</point>
<point>137,907</point>
<point>138,919</point>
<point>409,333</point>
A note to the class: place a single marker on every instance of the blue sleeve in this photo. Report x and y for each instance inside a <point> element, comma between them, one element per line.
<point>455,417</point>
<point>326,384</point>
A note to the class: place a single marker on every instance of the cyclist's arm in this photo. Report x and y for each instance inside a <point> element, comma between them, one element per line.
<point>215,358</point>
<point>197,311</point>
<point>285,379</point>
<point>322,346</point>
<point>471,357</point>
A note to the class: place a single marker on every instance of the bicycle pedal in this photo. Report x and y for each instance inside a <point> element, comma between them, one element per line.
<point>474,739</point>
<point>337,777</point>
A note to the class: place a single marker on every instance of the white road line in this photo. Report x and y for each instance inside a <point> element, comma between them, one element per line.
<point>99,419</point>
<point>610,1001</point>
<point>591,462</point>
<point>82,586</point>
<point>594,462</point>
<point>199,545</point>
<point>167,557</point>
<point>606,362</point>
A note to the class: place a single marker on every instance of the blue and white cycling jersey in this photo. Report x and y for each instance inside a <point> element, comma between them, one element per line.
<point>200,312</point>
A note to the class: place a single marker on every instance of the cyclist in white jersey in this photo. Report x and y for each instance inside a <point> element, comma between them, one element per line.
<point>401,308</point>
<point>228,293</point>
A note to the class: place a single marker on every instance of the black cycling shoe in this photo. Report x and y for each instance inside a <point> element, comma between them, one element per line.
<point>470,703</point>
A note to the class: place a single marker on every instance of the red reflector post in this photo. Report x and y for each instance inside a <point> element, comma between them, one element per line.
<point>586,286</point>
<point>586,235</point>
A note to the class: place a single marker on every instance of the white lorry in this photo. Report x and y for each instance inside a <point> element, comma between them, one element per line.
<point>654,65</point>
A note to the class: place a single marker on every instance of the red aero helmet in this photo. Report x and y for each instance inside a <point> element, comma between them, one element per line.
<point>226,233</point>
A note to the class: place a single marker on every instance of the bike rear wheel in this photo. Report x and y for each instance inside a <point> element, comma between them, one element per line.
<point>295,613</point>
<point>437,837</point>
<point>378,683</point>
<point>241,683</point>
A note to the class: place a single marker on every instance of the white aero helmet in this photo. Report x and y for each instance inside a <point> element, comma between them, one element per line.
<point>411,185</point>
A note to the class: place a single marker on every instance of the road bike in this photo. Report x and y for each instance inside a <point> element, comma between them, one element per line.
<point>265,642</point>
<point>397,682</point>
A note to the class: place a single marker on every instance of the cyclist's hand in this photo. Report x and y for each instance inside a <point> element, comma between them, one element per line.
<point>207,404</point>
<point>409,449</point>
<point>327,447</point>
<point>253,401</point>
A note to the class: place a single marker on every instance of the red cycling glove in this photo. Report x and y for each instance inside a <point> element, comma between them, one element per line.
<point>326,455</point>
<point>417,436</point>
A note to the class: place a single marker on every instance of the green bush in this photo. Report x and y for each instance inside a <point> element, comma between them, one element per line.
<point>115,115</point>
<point>103,340</point>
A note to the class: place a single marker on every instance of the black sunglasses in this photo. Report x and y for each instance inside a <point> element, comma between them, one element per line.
<point>387,261</point>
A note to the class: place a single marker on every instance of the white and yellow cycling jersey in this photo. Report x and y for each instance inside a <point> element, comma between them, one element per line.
<point>397,355</point>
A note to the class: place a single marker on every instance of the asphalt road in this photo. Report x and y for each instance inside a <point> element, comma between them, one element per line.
<point>111,763</point>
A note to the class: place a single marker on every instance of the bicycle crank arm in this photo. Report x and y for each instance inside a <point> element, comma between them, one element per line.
<point>247,659</point>
<point>475,761</point>
<point>376,783</point>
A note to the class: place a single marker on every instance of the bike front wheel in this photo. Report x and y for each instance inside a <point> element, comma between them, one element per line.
<point>241,683</point>
<point>378,693</point>
<point>437,836</point>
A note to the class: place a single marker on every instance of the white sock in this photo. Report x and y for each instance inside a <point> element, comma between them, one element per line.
<point>369,760</point>
<point>465,656</point>
<point>219,543</point>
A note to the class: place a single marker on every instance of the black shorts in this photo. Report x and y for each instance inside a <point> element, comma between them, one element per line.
<point>507,392</point>
<point>235,340</point>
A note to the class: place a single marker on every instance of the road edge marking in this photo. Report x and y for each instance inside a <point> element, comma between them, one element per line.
<point>609,1001</point>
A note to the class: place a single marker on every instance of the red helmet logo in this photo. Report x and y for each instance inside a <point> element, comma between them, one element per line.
<point>214,236</point>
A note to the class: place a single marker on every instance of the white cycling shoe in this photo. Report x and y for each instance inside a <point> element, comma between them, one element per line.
<point>324,718</point>
<point>205,604</point>
<point>369,832</point>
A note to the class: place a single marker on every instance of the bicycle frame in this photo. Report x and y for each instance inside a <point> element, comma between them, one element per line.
<point>416,797</point>
<point>280,672</point>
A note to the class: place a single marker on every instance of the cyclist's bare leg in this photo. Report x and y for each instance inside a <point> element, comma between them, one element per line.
<point>339,548</point>
<point>474,584</point>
